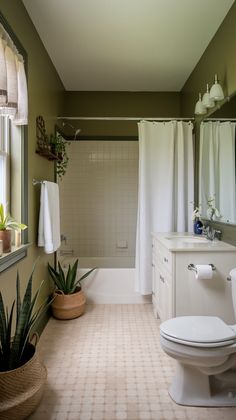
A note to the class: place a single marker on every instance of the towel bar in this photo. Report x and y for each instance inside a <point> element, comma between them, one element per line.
<point>36,182</point>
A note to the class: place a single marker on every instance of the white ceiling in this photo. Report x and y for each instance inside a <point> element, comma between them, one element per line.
<point>126,45</point>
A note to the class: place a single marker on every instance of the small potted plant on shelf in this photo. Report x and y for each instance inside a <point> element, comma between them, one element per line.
<point>22,374</point>
<point>58,148</point>
<point>69,299</point>
<point>7,224</point>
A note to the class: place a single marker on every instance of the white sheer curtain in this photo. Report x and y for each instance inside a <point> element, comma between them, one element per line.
<point>217,167</point>
<point>165,200</point>
<point>13,84</point>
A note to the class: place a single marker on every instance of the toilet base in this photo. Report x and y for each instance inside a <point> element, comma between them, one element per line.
<point>192,387</point>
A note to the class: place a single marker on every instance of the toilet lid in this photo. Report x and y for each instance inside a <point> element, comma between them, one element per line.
<point>198,329</point>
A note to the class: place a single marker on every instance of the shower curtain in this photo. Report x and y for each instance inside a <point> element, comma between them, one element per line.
<point>217,167</point>
<point>165,198</point>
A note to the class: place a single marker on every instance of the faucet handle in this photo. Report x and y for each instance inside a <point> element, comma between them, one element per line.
<point>205,230</point>
<point>218,234</point>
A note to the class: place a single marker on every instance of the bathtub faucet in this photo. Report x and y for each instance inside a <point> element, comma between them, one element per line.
<point>63,238</point>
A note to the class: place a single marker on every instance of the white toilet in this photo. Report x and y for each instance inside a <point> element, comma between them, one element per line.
<point>205,350</point>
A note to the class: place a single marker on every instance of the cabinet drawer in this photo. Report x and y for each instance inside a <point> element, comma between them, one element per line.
<point>164,256</point>
<point>164,294</point>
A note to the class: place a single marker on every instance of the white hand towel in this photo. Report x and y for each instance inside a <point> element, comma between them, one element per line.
<point>49,218</point>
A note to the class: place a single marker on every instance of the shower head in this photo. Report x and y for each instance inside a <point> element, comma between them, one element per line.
<point>76,130</point>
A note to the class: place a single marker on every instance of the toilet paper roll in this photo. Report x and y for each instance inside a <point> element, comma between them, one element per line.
<point>204,272</point>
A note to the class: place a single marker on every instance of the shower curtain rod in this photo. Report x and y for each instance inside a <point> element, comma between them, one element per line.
<point>220,119</point>
<point>125,118</point>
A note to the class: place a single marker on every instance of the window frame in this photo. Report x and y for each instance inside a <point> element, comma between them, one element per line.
<point>17,254</point>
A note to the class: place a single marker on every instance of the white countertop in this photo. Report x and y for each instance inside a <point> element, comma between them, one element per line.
<point>189,242</point>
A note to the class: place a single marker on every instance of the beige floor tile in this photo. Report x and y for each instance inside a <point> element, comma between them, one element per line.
<point>108,365</point>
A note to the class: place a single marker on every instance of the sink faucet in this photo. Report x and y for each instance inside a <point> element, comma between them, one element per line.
<point>210,233</point>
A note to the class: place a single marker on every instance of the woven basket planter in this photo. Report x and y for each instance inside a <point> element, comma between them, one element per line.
<point>68,306</point>
<point>21,389</point>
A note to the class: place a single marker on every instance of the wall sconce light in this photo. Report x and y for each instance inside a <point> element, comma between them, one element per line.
<point>200,109</point>
<point>216,92</point>
<point>207,101</point>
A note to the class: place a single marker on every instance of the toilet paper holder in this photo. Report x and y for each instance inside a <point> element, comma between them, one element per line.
<point>193,267</point>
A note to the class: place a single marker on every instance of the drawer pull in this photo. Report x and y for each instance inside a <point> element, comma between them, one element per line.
<point>165,259</point>
<point>162,278</point>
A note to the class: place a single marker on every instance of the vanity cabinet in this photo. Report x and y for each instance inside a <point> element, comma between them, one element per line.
<point>175,289</point>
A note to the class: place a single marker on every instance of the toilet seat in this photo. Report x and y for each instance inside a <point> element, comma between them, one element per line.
<point>198,331</point>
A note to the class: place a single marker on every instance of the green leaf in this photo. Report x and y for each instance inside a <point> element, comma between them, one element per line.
<point>62,277</point>
<point>73,284</point>
<point>12,348</point>
<point>18,303</point>
<point>85,275</point>
<point>21,323</point>
<point>8,222</point>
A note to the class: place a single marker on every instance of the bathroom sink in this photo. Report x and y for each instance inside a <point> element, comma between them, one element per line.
<point>195,240</point>
<point>189,239</point>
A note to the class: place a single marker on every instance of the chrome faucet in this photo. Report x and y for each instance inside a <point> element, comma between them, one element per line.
<point>210,233</point>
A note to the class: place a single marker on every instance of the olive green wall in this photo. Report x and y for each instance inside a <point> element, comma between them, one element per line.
<point>45,92</point>
<point>46,98</point>
<point>220,58</point>
<point>117,104</point>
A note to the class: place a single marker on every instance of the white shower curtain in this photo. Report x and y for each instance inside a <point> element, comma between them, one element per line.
<point>217,167</point>
<point>165,199</point>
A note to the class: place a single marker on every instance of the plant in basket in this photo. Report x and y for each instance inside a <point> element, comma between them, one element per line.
<point>69,299</point>
<point>22,374</point>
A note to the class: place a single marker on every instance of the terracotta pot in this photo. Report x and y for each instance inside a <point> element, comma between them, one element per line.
<point>68,306</point>
<point>21,389</point>
<point>5,236</point>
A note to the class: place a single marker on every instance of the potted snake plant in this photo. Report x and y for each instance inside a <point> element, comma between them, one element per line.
<point>69,299</point>
<point>7,224</point>
<point>22,374</point>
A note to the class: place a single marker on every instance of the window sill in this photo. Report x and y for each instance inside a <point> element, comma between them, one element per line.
<point>17,253</point>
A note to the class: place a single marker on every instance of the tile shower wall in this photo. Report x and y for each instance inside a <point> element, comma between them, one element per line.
<point>99,199</point>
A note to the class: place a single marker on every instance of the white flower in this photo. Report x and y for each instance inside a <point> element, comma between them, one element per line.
<point>212,211</point>
<point>196,214</point>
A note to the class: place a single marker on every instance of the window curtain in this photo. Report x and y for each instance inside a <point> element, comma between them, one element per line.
<point>13,84</point>
<point>217,167</point>
<point>165,197</point>
<point>4,163</point>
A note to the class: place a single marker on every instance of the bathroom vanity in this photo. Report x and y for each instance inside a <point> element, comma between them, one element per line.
<point>176,290</point>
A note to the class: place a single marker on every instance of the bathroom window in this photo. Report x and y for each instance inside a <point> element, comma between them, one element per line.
<point>13,141</point>
<point>13,183</point>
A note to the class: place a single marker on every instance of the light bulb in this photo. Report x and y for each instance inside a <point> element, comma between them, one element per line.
<point>206,99</point>
<point>200,109</point>
<point>216,92</point>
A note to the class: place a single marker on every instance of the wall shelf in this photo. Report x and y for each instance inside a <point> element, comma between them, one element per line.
<point>44,147</point>
<point>47,154</point>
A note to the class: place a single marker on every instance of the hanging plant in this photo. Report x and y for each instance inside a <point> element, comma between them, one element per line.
<point>59,149</point>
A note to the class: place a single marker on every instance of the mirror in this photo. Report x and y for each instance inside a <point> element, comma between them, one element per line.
<point>217,187</point>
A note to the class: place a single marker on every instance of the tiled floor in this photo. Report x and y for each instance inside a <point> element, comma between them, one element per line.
<point>108,365</point>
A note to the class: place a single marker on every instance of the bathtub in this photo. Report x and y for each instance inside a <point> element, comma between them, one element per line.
<point>107,285</point>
